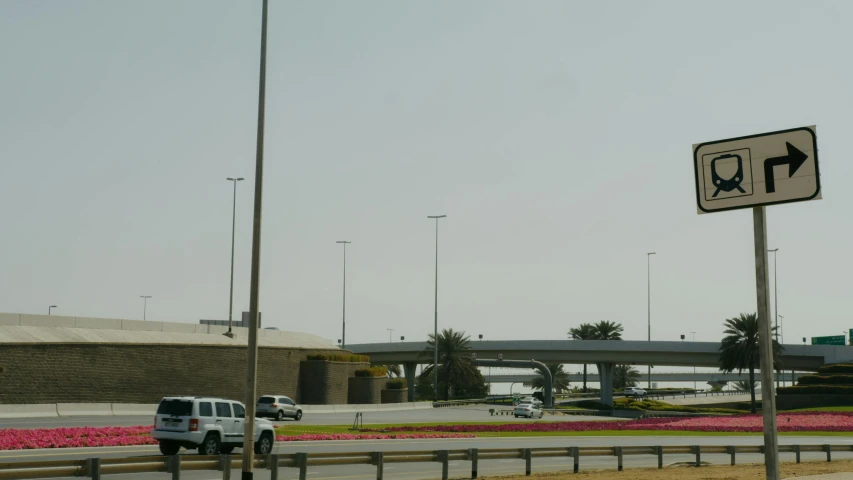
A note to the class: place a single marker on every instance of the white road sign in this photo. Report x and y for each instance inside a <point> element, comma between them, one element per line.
<point>764,169</point>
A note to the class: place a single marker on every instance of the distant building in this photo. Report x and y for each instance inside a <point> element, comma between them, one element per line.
<point>243,322</point>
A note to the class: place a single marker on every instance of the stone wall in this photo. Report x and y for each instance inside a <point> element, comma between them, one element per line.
<point>324,382</point>
<point>395,396</point>
<point>364,390</point>
<point>78,373</point>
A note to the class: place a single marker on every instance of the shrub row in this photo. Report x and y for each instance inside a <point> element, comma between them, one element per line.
<point>339,357</point>
<point>815,389</point>
<point>396,384</point>
<point>377,371</point>
<point>653,405</point>
<point>837,368</point>
<point>826,380</point>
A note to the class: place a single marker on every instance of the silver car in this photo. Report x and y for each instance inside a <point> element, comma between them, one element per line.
<point>528,410</point>
<point>278,407</point>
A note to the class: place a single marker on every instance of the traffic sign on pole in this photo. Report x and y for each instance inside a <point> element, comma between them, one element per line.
<point>757,170</point>
<point>829,340</point>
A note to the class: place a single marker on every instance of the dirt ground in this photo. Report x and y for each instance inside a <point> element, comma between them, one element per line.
<point>715,472</point>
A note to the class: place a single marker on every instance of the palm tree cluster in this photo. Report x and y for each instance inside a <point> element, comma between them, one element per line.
<point>739,349</point>
<point>457,375</point>
<point>559,379</point>
<point>601,330</point>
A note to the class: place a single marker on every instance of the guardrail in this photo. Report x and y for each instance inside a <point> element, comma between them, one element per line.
<point>175,464</point>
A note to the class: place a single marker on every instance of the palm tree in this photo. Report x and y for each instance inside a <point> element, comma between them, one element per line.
<point>625,376</point>
<point>584,331</point>
<point>739,349</point>
<point>393,370</point>
<point>606,330</point>
<point>559,379</point>
<point>456,369</point>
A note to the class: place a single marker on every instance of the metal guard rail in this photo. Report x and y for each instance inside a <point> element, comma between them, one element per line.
<point>175,464</point>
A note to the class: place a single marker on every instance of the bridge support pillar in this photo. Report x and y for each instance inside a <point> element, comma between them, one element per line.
<point>409,370</point>
<point>605,375</point>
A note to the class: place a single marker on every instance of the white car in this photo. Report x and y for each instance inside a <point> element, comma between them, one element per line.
<point>532,401</point>
<point>528,410</point>
<point>278,407</point>
<point>211,425</point>
<point>635,392</point>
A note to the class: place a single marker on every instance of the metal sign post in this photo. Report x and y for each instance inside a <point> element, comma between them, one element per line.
<point>752,172</point>
<point>765,346</point>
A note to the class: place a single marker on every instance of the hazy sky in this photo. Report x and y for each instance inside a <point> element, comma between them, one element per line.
<point>555,135</point>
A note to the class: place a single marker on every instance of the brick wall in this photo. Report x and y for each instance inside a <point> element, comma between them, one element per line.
<point>325,383</point>
<point>395,396</point>
<point>365,390</point>
<point>65,373</point>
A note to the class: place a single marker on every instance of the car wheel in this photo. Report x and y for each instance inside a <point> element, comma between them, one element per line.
<point>226,449</point>
<point>168,447</point>
<point>264,444</point>
<point>280,415</point>
<point>298,416</point>
<point>516,416</point>
<point>210,445</point>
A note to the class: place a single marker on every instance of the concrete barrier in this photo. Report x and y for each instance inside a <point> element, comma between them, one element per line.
<point>40,410</point>
<point>131,409</point>
<point>84,409</point>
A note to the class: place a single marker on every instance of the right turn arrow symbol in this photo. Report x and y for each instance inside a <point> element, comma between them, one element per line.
<point>795,159</point>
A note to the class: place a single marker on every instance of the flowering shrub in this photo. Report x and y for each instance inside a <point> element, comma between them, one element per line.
<point>15,439</point>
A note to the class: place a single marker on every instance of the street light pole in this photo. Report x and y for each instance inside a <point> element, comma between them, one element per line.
<point>233,227</point>
<point>144,305</point>
<point>49,308</point>
<point>775,302</point>
<point>390,333</point>
<point>344,326</point>
<point>254,280</point>
<point>435,330</point>
<point>649,302</point>
<point>694,366</point>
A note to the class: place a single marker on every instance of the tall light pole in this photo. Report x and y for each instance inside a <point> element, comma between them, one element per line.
<point>144,305</point>
<point>390,332</point>
<point>694,366</point>
<point>344,326</point>
<point>255,276</point>
<point>49,308</point>
<point>233,226</point>
<point>435,330</point>
<point>775,301</point>
<point>649,302</point>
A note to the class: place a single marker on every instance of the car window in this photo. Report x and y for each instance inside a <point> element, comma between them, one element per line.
<point>266,400</point>
<point>287,401</point>
<point>205,409</point>
<point>175,408</point>
<point>239,411</point>
<point>223,409</point>
<point>283,400</point>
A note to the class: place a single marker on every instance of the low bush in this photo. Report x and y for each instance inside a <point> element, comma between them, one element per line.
<point>826,380</point>
<point>837,368</point>
<point>816,390</point>
<point>339,357</point>
<point>396,384</point>
<point>372,372</point>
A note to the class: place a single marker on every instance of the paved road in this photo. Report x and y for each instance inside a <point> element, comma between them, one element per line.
<point>458,469</point>
<point>472,413</point>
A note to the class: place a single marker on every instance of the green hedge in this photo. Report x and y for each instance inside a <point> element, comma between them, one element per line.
<point>826,380</point>
<point>372,372</point>
<point>815,389</point>
<point>339,357</point>
<point>837,368</point>
<point>396,384</point>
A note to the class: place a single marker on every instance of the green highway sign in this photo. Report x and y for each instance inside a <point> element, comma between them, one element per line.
<point>830,340</point>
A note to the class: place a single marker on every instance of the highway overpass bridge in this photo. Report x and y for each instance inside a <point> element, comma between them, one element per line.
<point>603,353</point>
<point>577,378</point>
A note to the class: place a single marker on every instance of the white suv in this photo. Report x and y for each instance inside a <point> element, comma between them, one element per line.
<point>635,392</point>
<point>278,407</point>
<point>211,425</point>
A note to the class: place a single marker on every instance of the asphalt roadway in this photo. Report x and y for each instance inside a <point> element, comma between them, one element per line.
<point>458,469</point>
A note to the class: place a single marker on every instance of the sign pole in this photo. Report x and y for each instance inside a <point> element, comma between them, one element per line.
<point>765,348</point>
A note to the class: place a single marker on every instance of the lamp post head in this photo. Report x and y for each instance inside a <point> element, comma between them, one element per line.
<point>773,250</point>
<point>237,179</point>
<point>52,306</point>
<point>436,216</point>
<point>652,253</point>
<point>342,241</point>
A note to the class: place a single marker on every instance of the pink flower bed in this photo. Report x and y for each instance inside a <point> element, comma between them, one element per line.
<point>369,436</point>
<point>14,439</point>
